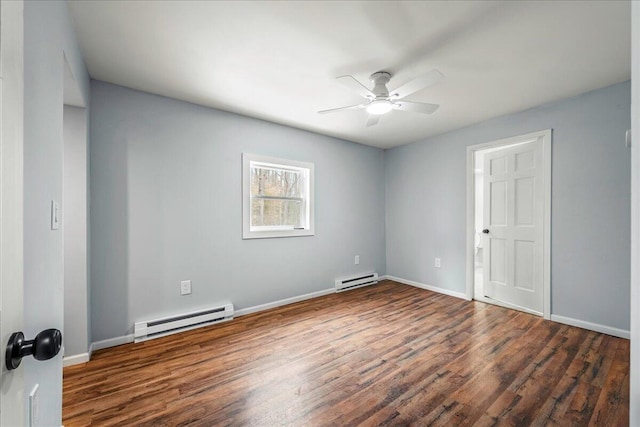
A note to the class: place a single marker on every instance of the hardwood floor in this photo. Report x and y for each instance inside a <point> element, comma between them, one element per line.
<point>388,354</point>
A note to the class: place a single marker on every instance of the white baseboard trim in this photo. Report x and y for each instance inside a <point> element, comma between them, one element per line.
<point>286,301</point>
<point>621,333</point>
<point>437,289</point>
<point>111,342</point>
<point>76,359</point>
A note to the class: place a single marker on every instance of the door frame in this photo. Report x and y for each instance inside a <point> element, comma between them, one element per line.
<point>546,244</point>
<point>634,381</point>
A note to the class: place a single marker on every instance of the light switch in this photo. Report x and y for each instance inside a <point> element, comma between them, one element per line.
<point>55,215</point>
<point>33,406</point>
<point>185,287</point>
<point>627,139</point>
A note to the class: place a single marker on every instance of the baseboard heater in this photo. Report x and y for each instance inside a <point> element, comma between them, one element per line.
<point>150,329</point>
<point>356,282</point>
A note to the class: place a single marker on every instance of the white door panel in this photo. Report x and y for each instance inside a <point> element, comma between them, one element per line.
<point>514,216</point>
<point>11,187</point>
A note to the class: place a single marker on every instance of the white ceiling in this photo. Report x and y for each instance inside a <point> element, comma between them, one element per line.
<point>278,60</point>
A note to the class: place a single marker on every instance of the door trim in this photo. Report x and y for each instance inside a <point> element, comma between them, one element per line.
<point>634,380</point>
<point>546,244</point>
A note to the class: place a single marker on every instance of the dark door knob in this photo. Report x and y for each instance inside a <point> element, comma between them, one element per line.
<point>485,231</point>
<point>43,347</point>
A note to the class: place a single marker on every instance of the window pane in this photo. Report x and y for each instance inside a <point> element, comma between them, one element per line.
<point>276,213</point>
<point>276,182</point>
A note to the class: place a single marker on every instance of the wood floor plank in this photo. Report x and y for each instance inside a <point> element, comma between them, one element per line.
<point>387,355</point>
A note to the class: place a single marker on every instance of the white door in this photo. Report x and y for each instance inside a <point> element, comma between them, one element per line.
<point>11,184</point>
<point>513,226</point>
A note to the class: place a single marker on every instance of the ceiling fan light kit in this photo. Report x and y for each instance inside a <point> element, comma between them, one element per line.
<point>379,107</point>
<point>381,101</point>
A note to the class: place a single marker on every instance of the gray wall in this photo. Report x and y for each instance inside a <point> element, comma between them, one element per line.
<point>75,180</point>
<point>166,206</point>
<point>48,36</point>
<point>426,217</point>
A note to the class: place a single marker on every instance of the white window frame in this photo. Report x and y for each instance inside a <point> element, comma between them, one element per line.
<point>277,231</point>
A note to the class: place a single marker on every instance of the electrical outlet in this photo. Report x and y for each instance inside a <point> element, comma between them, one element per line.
<point>185,287</point>
<point>438,263</point>
<point>33,405</point>
<point>356,260</point>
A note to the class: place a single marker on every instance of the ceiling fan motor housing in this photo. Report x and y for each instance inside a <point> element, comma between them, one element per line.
<point>380,80</point>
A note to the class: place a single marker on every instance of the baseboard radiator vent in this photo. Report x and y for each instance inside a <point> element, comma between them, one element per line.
<point>356,282</point>
<point>150,329</point>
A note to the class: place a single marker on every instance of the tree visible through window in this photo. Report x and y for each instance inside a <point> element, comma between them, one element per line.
<point>278,197</point>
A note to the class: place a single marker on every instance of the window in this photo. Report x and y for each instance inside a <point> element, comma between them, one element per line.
<point>277,197</point>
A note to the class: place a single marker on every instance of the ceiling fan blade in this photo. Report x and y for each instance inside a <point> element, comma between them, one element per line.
<point>372,120</point>
<point>351,107</point>
<point>415,107</point>
<point>355,85</point>
<point>416,84</point>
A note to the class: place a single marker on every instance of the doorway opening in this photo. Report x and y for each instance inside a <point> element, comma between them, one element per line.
<point>508,223</point>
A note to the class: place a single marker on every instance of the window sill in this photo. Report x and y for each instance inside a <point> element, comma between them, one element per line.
<point>269,234</point>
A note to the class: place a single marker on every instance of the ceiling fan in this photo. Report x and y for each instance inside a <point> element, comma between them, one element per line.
<point>381,100</point>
